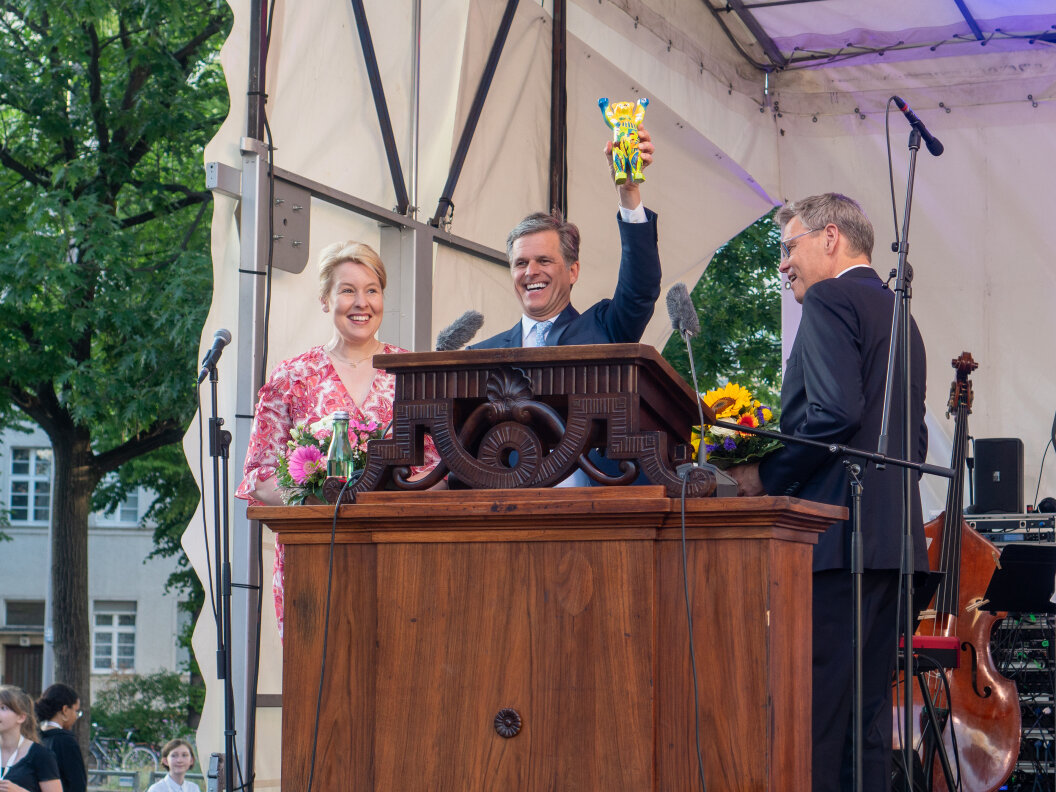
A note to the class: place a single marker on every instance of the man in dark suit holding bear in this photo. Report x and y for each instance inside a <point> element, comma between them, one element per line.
<point>833,392</point>
<point>543,251</point>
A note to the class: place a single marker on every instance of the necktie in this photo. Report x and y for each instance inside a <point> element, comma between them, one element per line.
<point>538,337</point>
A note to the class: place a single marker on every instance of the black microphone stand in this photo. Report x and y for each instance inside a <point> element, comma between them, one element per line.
<point>219,448</point>
<point>899,355</point>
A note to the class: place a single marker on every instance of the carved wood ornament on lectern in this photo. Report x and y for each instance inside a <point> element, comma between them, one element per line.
<point>509,419</point>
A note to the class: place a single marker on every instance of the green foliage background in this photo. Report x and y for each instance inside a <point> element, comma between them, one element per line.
<point>738,301</point>
<point>157,707</point>
<point>105,272</point>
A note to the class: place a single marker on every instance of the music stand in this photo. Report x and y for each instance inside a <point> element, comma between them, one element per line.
<point>1024,580</point>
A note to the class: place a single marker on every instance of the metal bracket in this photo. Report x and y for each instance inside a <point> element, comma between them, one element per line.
<point>291,227</point>
<point>223,179</point>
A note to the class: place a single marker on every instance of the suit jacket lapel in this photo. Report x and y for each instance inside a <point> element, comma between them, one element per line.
<point>563,320</point>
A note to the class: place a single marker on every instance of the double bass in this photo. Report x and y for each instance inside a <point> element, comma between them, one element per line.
<point>982,715</point>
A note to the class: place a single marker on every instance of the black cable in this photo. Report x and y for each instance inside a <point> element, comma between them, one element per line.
<point>326,629</point>
<point>890,166</point>
<point>205,514</point>
<point>689,625</point>
<point>1037,489</point>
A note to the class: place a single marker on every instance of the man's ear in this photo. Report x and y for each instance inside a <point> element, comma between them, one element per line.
<point>832,237</point>
<point>573,272</point>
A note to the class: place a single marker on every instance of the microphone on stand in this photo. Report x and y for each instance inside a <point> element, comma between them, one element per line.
<point>459,333</point>
<point>934,146</point>
<point>220,339</point>
<point>686,323</point>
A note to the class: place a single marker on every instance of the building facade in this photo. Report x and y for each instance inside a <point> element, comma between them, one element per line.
<point>134,621</point>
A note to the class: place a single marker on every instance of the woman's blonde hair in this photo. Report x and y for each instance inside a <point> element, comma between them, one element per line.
<point>339,253</point>
<point>19,702</point>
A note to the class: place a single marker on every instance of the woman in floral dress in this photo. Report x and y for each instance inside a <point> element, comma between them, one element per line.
<point>335,376</point>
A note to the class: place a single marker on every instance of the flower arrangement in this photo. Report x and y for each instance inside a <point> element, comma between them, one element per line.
<point>727,447</point>
<point>302,471</point>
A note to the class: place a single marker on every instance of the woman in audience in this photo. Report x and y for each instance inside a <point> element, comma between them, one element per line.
<point>58,709</point>
<point>25,764</point>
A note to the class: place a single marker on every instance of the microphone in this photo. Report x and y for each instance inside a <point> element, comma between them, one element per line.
<point>220,339</point>
<point>686,323</point>
<point>932,142</point>
<point>683,315</point>
<point>457,334</point>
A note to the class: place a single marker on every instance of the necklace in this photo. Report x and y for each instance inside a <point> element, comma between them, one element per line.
<point>353,363</point>
<point>11,760</point>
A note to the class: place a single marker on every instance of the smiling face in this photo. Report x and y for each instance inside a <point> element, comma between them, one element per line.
<point>356,303</point>
<point>809,260</point>
<point>541,279</point>
<point>179,760</point>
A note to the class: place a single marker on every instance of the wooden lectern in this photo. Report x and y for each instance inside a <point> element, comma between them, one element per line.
<point>537,639</point>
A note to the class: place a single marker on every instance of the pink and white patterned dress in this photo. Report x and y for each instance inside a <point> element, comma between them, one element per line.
<point>308,388</point>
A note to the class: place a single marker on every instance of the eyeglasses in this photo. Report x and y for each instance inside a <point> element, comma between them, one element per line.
<point>786,251</point>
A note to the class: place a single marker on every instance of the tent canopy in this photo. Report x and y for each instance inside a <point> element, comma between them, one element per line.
<point>750,105</point>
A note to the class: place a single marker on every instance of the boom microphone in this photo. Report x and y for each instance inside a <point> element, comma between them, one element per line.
<point>932,142</point>
<point>457,334</point>
<point>686,323</point>
<point>683,315</point>
<point>221,339</point>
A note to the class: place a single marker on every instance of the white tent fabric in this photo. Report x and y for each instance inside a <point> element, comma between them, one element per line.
<point>731,142</point>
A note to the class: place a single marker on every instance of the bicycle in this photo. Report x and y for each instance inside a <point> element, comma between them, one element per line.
<point>114,753</point>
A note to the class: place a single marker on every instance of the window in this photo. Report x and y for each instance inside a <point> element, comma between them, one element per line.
<point>30,496</point>
<point>125,514</point>
<point>24,613</point>
<point>114,637</point>
<point>128,511</point>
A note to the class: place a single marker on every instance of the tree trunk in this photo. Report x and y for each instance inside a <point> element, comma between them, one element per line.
<point>75,481</point>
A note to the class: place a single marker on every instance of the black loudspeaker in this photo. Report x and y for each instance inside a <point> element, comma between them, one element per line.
<point>999,475</point>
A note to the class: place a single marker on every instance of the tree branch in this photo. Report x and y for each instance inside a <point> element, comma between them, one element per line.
<point>36,176</point>
<point>95,88</point>
<point>184,53</point>
<point>15,11</point>
<point>157,436</point>
<point>192,199</point>
<point>183,243</point>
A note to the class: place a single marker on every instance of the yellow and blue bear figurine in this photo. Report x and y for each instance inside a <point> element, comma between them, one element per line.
<point>623,119</point>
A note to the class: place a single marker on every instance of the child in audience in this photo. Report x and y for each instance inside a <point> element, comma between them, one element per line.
<point>178,757</point>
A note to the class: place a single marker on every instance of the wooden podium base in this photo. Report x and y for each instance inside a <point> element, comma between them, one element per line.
<point>566,607</point>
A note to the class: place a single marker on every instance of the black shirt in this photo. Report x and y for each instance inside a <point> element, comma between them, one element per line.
<point>67,752</point>
<point>36,766</point>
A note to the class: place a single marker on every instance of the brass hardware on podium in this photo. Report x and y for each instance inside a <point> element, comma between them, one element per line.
<point>507,722</point>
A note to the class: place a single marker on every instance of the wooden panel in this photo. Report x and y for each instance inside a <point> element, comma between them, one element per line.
<point>346,736</point>
<point>751,621</point>
<point>567,606</point>
<point>543,628</point>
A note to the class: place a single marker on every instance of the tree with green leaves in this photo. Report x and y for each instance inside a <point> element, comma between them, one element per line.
<point>738,300</point>
<point>105,108</point>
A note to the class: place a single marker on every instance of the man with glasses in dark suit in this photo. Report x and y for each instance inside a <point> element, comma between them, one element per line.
<point>833,392</point>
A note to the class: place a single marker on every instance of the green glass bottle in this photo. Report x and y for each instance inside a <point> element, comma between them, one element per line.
<point>339,461</point>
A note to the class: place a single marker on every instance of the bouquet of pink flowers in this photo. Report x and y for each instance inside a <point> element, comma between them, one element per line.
<point>302,471</point>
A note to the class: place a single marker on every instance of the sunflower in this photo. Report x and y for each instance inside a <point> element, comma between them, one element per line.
<point>728,402</point>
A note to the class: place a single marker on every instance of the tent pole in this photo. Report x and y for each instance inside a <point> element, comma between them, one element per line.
<point>445,204</point>
<point>558,111</point>
<point>376,88</point>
